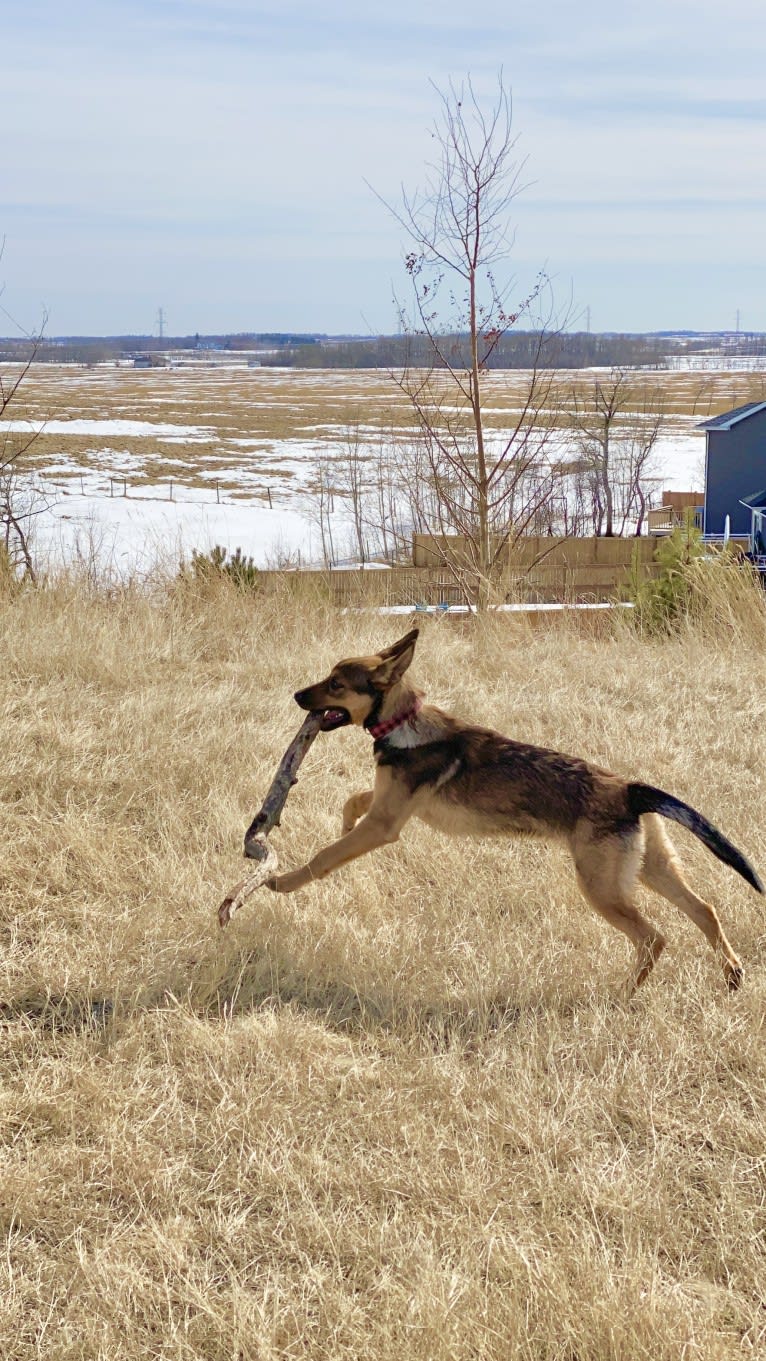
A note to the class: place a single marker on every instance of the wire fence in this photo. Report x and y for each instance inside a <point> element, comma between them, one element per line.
<point>121,487</point>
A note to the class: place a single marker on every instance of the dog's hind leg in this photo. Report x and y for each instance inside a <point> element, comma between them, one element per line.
<point>355,808</point>
<point>662,871</point>
<point>607,873</point>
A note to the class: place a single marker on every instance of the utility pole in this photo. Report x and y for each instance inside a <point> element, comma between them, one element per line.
<point>587,318</point>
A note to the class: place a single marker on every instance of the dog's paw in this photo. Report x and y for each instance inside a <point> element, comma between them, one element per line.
<point>734,975</point>
<point>286,883</point>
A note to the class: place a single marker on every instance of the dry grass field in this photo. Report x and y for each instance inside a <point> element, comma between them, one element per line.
<point>249,428</point>
<point>404,1113</point>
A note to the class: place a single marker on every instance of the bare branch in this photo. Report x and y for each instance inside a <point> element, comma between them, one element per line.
<point>256,845</point>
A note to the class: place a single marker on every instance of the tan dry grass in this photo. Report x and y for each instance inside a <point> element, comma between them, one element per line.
<point>403,1113</point>
<point>267,406</point>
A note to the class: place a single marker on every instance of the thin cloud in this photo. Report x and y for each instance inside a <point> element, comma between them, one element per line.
<point>152,143</point>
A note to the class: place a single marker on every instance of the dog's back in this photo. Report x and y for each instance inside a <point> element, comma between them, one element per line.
<point>499,785</point>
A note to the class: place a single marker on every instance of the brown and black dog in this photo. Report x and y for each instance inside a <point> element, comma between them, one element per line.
<point>460,778</point>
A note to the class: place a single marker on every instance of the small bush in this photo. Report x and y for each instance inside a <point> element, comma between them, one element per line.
<point>218,564</point>
<point>661,601</point>
<point>714,590</point>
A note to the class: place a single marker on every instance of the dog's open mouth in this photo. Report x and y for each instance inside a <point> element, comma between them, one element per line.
<point>333,718</point>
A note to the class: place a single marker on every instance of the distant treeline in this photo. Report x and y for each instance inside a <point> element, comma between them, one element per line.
<point>516,350</point>
<point>103,349</point>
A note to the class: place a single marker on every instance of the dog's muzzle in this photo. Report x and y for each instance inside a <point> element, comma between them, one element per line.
<point>331,718</point>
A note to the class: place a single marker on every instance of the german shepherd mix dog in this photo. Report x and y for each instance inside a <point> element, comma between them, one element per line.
<point>463,779</point>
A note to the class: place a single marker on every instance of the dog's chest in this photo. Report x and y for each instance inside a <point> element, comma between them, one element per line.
<point>419,732</point>
<point>456,819</point>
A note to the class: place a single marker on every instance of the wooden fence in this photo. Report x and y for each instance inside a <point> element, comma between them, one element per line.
<point>547,580</point>
<point>546,551</point>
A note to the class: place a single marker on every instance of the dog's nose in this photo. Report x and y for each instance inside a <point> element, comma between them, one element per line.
<point>300,698</point>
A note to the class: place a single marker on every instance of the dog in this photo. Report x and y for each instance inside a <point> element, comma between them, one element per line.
<point>463,779</point>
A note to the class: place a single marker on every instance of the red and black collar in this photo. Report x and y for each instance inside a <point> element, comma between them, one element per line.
<point>389,725</point>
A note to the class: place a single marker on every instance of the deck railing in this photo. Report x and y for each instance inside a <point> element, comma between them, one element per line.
<point>664,519</point>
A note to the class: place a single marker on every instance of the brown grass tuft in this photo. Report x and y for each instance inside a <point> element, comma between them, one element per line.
<point>402,1113</point>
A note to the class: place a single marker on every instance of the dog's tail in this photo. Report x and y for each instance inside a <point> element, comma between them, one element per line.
<point>643,798</point>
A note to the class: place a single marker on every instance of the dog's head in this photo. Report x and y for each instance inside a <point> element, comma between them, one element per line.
<point>356,688</point>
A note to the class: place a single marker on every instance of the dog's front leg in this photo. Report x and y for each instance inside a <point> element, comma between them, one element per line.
<point>355,808</point>
<point>374,830</point>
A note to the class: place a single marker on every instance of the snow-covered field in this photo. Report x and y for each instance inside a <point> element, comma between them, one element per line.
<point>89,517</point>
<point>135,466</point>
<point>136,533</point>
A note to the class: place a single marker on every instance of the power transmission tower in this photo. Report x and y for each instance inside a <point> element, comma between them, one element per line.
<point>161,321</point>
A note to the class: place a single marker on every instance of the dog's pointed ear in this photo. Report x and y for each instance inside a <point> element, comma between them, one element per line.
<point>396,649</point>
<point>395,659</point>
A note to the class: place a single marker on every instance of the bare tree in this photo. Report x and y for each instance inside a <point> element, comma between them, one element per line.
<point>19,502</point>
<point>470,485</point>
<point>389,518</point>
<point>639,447</point>
<point>616,423</point>
<point>354,482</point>
<point>594,416</point>
<point>389,511</point>
<point>319,502</point>
<point>359,499</point>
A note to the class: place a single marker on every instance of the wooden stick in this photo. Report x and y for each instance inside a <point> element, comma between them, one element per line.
<point>282,783</point>
<point>237,895</point>
<point>256,845</point>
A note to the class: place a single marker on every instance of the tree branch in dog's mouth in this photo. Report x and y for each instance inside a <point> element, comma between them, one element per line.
<point>329,719</point>
<point>256,845</point>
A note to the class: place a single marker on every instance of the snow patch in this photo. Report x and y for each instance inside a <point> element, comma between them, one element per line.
<point>129,429</point>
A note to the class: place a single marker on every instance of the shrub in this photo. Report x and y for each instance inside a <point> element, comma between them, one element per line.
<point>715,590</point>
<point>218,564</point>
<point>661,601</point>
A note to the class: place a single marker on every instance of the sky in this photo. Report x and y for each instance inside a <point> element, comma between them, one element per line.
<point>214,158</point>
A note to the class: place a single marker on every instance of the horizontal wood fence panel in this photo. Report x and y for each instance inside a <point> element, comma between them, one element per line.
<point>428,586</point>
<point>429,550</point>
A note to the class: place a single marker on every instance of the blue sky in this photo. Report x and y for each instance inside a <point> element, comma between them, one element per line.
<point>211,157</point>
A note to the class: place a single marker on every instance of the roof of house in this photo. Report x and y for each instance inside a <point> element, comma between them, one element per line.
<point>755,501</point>
<point>729,418</point>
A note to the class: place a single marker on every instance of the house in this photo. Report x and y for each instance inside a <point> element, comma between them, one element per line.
<point>735,467</point>
<point>151,361</point>
<point>757,507</point>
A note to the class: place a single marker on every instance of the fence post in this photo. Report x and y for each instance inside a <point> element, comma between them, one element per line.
<point>268,493</point>
<point>171,489</point>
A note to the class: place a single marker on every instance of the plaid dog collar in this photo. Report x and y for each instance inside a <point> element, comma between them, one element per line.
<point>390,724</point>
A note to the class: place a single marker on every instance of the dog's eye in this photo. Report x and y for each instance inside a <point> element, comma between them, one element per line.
<point>335,685</point>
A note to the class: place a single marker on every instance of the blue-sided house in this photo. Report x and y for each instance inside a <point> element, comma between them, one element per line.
<point>757,507</point>
<point>735,469</point>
